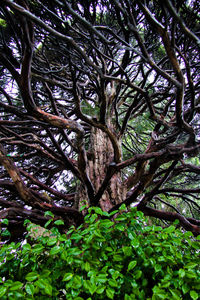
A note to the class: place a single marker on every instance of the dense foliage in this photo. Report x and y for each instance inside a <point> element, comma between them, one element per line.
<point>99,104</point>
<point>123,258</point>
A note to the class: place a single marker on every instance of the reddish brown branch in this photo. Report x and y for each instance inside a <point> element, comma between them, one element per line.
<point>14,174</point>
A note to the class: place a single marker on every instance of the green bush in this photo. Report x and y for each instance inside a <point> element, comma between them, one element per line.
<point>103,259</point>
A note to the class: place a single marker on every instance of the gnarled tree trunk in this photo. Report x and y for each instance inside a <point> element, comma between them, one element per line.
<point>100,155</point>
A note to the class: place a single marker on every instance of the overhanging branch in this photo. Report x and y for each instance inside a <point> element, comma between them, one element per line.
<point>188,224</point>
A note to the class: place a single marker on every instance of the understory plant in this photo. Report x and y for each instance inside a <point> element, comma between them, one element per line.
<point>110,256</point>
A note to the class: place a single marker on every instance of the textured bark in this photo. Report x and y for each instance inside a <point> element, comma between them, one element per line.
<point>16,178</point>
<point>100,155</point>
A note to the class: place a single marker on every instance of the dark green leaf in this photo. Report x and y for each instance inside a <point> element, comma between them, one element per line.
<point>59,222</point>
<point>110,293</point>
<point>30,289</point>
<point>67,276</point>
<point>26,247</point>
<point>48,289</point>
<point>3,290</point>
<point>100,289</point>
<point>47,223</point>
<point>55,250</point>
<point>49,213</point>
<point>132,265</point>
<point>4,221</point>
<point>16,286</point>
<point>31,276</point>
<point>52,241</point>
<point>194,295</point>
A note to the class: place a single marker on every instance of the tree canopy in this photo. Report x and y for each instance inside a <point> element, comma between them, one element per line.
<point>99,106</point>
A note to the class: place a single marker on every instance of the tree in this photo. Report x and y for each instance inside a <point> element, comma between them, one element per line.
<point>99,107</point>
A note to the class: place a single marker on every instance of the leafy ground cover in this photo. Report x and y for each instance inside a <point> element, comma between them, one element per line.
<point>105,258</point>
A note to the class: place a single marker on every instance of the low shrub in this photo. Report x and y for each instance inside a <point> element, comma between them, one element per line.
<point>122,258</point>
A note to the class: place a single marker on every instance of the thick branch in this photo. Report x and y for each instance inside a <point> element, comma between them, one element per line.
<point>14,174</point>
<point>172,216</point>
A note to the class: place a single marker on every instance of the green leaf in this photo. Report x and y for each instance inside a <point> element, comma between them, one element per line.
<point>181,273</point>
<point>140,214</point>
<point>110,293</point>
<point>93,218</point>
<point>42,283</point>
<point>38,248</point>
<point>149,250</point>
<point>98,233</point>
<point>59,222</point>
<point>71,229</point>
<point>170,229</point>
<point>191,265</point>
<point>5,233</point>
<point>48,289</point>
<point>176,294</point>
<point>26,247</point>
<point>87,266</point>
<point>101,278</point>
<point>113,213</point>
<point>77,282</point>
<point>127,251</point>
<point>135,243</point>
<point>3,290</point>
<point>52,241</point>
<point>120,227</point>
<point>194,295</point>
<point>47,223</point>
<point>115,274</point>
<point>122,207</point>
<point>160,293</point>
<point>137,274</point>
<point>158,268</point>
<point>105,213</point>
<point>117,257</point>
<point>30,289</point>
<point>100,290</point>
<point>55,250</point>
<point>45,273</point>
<point>16,286</point>
<point>185,288</point>
<point>82,208</point>
<point>49,213</point>
<point>27,222</point>
<point>76,251</point>
<point>76,236</point>
<point>90,286</point>
<point>121,218</point>
<point>98,210</point>
<point>31,276</point>
<point>127,297</point>
<point>176,222</point>
<point>132,265</point>
<point>4,221</point>
<point>106,223</point>
<point>188,234</point>
<point>190,274</point>
<point>113,283</point>
<point>67,276</point>
<point>3,24</point>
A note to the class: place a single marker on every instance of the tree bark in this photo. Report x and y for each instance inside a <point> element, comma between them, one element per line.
<point>100,156</point>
